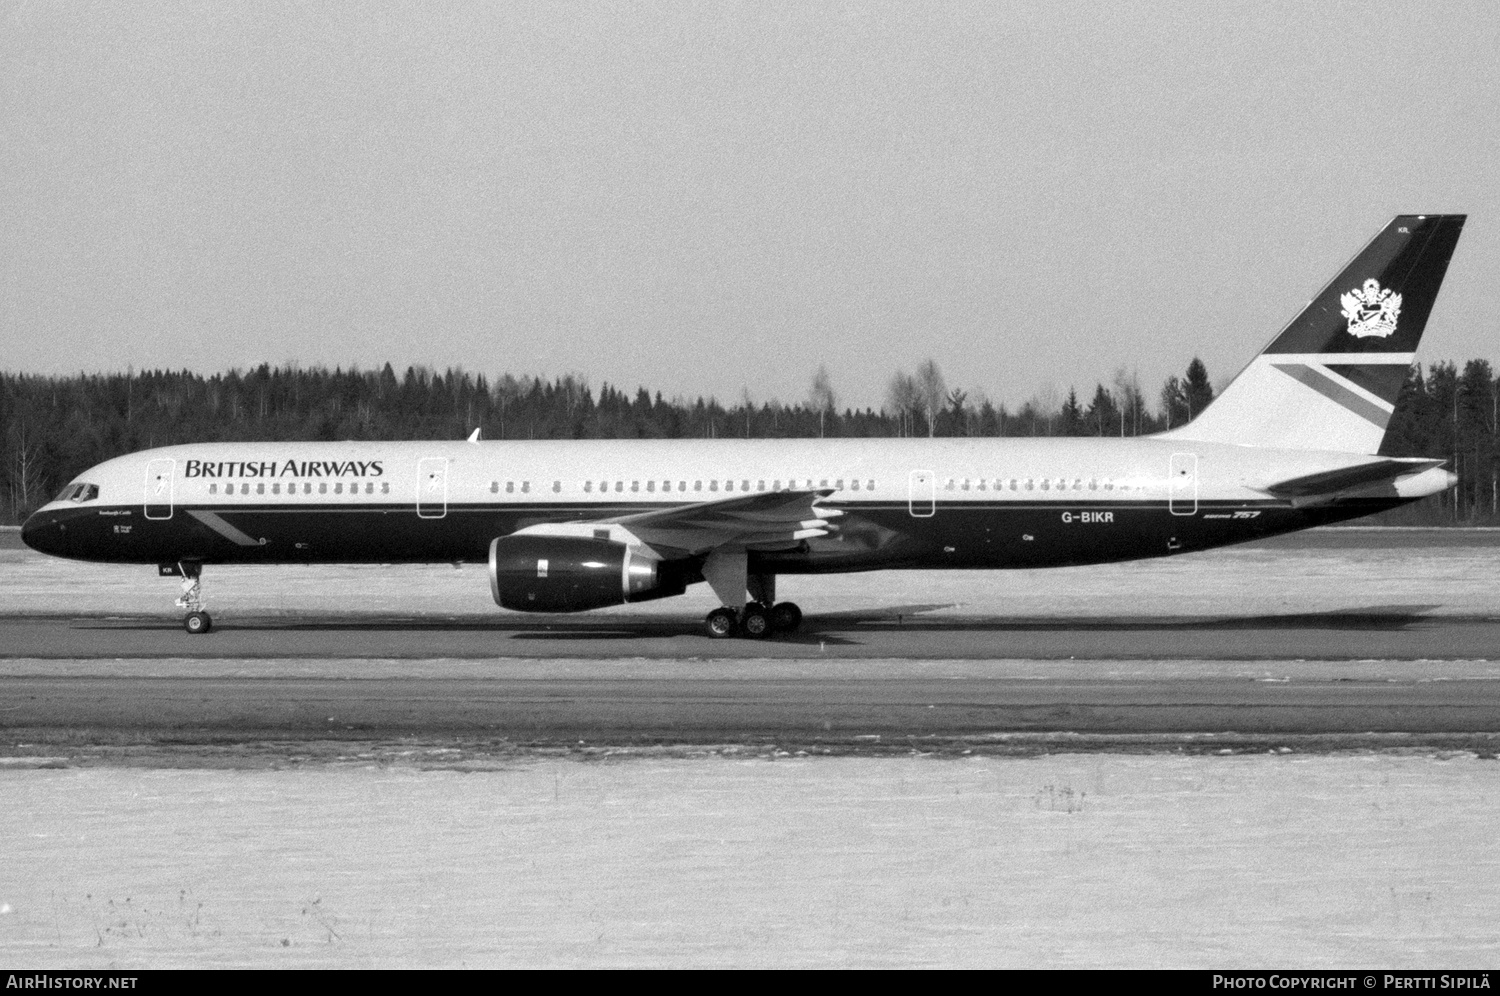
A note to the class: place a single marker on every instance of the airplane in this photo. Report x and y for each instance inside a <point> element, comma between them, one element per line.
<point>567,526</point>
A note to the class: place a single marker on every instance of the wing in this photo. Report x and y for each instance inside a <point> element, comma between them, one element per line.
<point>772,520</point>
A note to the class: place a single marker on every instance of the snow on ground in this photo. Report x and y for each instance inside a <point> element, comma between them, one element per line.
<point>1065,860</point>
<point>1074,860</point>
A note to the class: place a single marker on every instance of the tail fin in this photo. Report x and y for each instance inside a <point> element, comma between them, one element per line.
<point>1329,381</point>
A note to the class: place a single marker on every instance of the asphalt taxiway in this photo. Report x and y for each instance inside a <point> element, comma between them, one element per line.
<point>915,632</point>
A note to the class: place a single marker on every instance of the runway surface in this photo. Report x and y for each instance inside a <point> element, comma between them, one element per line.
<point>1376,632</point>
<point>1344,639</point>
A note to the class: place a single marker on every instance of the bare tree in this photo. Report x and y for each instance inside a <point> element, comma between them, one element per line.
<point>820,396</point>
<point>24,467</point>
<point>932,391</point>
<point>902,395</point>
<point>1130,399</point>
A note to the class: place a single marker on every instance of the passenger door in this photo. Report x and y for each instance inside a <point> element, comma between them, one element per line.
<point>921,494</point>
<point>432,487</point>
<point>160,475</point>
<point>1182,484</point>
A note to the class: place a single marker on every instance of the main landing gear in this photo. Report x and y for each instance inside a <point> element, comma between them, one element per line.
<point>760,615</point>
<point>754,621</point>
<point>196,621</point>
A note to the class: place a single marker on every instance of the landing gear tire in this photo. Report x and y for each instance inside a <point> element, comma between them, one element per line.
<point>756,622</point>
<point>198,622</point>
<point>721,623</point>
<point>786,617</point>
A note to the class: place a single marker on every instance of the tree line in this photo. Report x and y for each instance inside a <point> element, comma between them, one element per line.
<point>54,427</point>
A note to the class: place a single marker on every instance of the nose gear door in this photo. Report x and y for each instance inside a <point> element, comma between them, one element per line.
<point>159,486</point>
<point>432,487</point>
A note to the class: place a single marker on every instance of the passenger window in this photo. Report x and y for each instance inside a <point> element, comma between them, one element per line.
<point>556,487</point>
<point>526,487</point>
<point>338,488</point>
<point>854,484</point>
<point>260,488</point>
<point>966,484</point>
<point>588,487</point>
<point>510,487</point>
<point>650,485</point>
<point>1030,484</point>
<point>275,489</point>
<point>870,484</point>
<point>322,488</point>
<point>635,485</point>
<point>213,489</point>
<point>760,485</point>
<point>713,485</point>
<point>1093,484</point>
<point>385,488</point>
<point>697,485</point>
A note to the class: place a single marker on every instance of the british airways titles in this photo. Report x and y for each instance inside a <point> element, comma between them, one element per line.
<point>290,468</point>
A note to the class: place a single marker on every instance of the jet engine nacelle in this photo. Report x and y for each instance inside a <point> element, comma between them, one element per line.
<point>574,573</point>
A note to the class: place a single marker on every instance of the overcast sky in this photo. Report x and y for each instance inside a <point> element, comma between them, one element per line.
<point>711,197</point>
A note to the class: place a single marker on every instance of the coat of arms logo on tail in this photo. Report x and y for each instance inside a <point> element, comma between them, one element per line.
<point>1371,311</point>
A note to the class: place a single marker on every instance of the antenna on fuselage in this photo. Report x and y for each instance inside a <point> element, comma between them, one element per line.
<point>474,436</point>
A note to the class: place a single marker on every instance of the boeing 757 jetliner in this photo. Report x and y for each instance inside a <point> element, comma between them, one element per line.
<point>574,525</point>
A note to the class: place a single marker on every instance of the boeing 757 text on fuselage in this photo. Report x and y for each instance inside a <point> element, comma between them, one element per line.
<point>567,526</point>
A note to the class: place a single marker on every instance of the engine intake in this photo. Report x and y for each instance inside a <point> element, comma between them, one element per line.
<point>574,573</point>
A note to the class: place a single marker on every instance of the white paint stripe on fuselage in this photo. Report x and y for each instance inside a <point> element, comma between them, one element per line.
<point>1135,470</point>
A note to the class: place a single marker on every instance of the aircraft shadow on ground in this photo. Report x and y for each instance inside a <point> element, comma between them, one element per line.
<point>829,626</point>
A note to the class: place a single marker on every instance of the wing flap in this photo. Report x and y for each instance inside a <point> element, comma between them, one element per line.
<point>766,520</point>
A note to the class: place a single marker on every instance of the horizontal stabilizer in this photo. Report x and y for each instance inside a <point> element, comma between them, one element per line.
<point>1330,484</point>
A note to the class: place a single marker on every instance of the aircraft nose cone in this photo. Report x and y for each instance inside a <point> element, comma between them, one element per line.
<point>43,533</point>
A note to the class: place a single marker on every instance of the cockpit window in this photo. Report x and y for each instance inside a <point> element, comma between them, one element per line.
<point>79,492</point>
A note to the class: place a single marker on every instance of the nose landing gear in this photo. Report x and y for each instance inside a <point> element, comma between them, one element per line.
<point>196,621</point>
